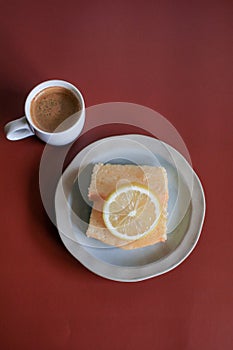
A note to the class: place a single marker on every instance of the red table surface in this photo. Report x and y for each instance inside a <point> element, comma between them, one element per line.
<point>174,57</point>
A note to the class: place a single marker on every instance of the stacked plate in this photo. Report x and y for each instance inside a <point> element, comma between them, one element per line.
<point>186,209</point>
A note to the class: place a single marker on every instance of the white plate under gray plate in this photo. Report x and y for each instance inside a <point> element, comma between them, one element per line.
<point>186,209</point>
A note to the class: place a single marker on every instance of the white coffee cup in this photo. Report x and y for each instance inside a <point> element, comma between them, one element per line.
<point>67,133</point>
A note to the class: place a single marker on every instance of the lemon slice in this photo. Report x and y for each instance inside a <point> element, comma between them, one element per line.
<point>131,212</point>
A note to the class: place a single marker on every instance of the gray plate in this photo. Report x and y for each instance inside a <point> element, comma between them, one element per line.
<point>186,209</point>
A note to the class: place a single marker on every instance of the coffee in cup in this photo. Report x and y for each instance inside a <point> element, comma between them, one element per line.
<point>52,106</point>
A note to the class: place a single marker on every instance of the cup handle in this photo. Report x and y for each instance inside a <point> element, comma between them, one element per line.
<point>18,129</point>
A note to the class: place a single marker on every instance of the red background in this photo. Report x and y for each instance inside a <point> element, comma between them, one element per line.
<point>175,57</point>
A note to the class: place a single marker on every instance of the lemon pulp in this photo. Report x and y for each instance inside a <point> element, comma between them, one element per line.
<point>131,212</point>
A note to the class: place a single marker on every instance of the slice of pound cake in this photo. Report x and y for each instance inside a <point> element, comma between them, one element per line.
<point>144,188</point>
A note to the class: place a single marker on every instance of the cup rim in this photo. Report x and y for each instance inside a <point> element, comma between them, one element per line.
<point>46,84</point>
